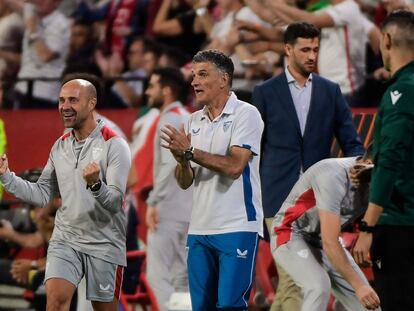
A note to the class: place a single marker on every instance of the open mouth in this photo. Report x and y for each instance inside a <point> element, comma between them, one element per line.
<point>68,115</point>
<point>198,92</point>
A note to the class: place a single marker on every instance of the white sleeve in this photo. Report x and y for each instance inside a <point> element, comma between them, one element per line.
<point>246,14</point>
<point>57,35</point>
<point>368,25</point>
<point>329,190</point>
<point>343,12</point>
<point>248,129</point>
<point>39,193</point>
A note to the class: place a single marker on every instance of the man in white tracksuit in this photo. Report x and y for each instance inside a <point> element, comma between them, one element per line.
<point>169,207</point>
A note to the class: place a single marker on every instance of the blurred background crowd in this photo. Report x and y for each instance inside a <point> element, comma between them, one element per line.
<point>123,41</point>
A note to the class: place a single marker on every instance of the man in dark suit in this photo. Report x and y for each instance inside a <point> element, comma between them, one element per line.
<point>302,112</point>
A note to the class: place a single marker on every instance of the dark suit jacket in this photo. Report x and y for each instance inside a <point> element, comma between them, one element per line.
<point>284,150</point>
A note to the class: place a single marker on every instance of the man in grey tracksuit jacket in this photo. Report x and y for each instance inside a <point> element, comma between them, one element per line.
<point>88,168</point>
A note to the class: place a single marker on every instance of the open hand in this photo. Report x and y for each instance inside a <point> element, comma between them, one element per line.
<point>20,270</point>
<point>368,297</point>
<point>361,249</point>
<point>175,140</point>
<point>151,218</point>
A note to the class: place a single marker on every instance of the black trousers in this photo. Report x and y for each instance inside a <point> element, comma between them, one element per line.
<point>393,264</point>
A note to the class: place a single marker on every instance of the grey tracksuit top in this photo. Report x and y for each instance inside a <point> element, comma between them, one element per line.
<point>92,223</point>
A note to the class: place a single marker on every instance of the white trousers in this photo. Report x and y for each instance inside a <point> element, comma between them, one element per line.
<point>167,260</point>
<point>312,271</point>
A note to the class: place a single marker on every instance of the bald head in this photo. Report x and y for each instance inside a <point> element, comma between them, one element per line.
<point>88,88</point>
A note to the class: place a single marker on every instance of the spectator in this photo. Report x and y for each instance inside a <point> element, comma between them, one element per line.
<point>220,156</point>
<point>177,24</point>
<point>168,206</point>
<point>128,93</point>
<point>82,44</point>
<point>172,57</point>
<point>45,47</point>
<point>221,35</point>
<point>302,112</point>
<point>123,20</point>
<point>16,272</point>
<point>11,35</point>
<point>152,54</point>
<point>389,219</point>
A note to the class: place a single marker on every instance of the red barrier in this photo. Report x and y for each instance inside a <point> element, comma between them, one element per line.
<point>31,133</point>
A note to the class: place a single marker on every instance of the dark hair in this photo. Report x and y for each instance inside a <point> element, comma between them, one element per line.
<point>152,46</point>
<point>369,152</point>
<point>82,22</point>
<point>222,62</point>
<point>93,79</point>
<point>404,21</point>
<point>300,30</point>
<point>175,56</point>
<point>174,79</point>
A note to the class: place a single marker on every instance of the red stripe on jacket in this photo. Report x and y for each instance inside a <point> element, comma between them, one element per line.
<point>304,203</point>
<point>66,135</point>
<point>107,133</point>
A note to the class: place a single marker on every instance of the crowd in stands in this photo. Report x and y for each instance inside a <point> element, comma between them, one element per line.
<point>123,41</point>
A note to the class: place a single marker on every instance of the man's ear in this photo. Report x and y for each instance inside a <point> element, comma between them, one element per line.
<point>224,80</point>
<point>92,103</point>
<point>387,42</point>
<point>288,49</point>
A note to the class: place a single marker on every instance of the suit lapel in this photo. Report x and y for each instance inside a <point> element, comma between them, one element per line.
<point>285,98</point>
<point>313,113</point>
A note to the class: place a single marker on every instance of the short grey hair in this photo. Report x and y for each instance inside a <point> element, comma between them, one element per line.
<point>222,62</point>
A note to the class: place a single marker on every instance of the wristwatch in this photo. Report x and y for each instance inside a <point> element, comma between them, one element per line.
<point>363,226</point>
<point>189,153</point>
<point>95,186</point>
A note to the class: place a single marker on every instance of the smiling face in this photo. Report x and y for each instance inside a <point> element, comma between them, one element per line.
<point>302,55</point>
<point>208,82</point>
<point>76,104</point>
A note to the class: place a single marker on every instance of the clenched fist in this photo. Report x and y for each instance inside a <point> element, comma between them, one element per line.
<point>91,173</point>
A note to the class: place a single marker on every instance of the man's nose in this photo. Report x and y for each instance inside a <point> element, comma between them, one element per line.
<point>64,104</point>
<point>312,55</point>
